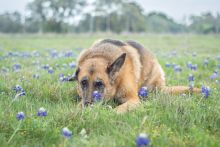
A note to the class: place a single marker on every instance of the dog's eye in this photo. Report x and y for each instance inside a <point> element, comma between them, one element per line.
<point>84,83</point>
<point>98,84</point>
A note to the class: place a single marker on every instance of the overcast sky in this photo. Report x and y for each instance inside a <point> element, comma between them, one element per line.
<point>176,9</point>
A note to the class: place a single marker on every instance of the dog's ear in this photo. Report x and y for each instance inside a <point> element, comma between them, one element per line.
<point>116,65</point>
<point>74,77</point>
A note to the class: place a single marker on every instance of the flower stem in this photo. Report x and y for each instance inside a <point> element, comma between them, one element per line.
<point>18,127</point>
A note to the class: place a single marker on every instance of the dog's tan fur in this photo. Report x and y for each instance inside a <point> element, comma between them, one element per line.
<point>140,68</point>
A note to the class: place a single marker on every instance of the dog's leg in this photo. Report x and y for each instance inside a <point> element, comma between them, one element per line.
<point>130,104</point>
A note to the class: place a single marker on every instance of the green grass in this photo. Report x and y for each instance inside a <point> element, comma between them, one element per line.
<point>189,120</point>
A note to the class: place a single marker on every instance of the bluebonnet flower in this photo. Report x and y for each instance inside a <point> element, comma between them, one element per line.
<point>214,75</point>
<point>68,54</point>
<point>143,92</point>
<point>190,78</point>
<point>53,53</point>
<point>218,66</point>
<point>206,61</point>
<point>142,140</point>
<point>194,67</point>
<point>189,64</point>
<point>174,65</point>
<point>96,96</point>
<point>72,64</point>
<point>205,91</point>
<point>17,88</point>
<point>50,70</point>
<point>61,75</point>
<point>167,65</point>
<point>20,116</point>
<point>35,76</point>
<point>42,112</point>
<point>22,93</point>
<point>64,79</point>
<point>66,132</point>
<point>177,68</point>
<point>46,66</point>
<point>16,66</point>
<point>35,54</point>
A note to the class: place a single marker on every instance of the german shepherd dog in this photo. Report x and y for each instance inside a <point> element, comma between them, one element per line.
<point>118,70</point>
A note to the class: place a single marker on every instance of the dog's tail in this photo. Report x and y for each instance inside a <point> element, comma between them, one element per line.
<point>179,90</point>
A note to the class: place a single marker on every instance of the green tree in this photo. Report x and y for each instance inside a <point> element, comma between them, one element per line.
<point>11,23</point>
<point>53,14</point>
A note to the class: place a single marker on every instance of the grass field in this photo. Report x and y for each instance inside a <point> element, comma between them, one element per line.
<point>182,120</point>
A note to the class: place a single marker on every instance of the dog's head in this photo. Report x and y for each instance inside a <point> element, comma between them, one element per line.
<point>97,74</point>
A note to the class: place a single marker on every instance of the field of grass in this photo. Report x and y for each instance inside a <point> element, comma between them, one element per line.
<point>181,120</point>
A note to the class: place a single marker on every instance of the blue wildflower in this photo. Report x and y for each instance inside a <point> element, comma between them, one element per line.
<point>42,112</point>
<point>177,68</point>
<point>64,79</point>
<point>16,66</point>
<point>72,64</point>
<point>190,78</point>
<point>142,140</point>
<point>189,64</point>
<point>218,66</point>
<point>20,116</point>
<point>53,53</point>
<point>205,91</point>
<point>167,65</point>
<point>17,88</point>
<point>46,66</point>
<point>194,67</point>
<point>143,92</point>
<point>68,54</point>
<point>66,132</point>
<point>61,75</point>
<point>22,93</point>
<point>96,96</point>
<point>214,75</point>
<point>50,70</point>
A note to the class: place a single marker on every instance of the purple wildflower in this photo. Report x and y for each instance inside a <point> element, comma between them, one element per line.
<point>177,68</point>
<point>214,75</point>
<point>194,67</point>
<point>50,70</point>
<point>142,140</point>
<point>205,91</point>
<point>16,66</point>
<point>143,92</point>
<point>167,65</point>
<point>96,96</point>
<point>66,132</point>
<point>72,65</point>
<point>20,116</point>
<point>190,78</point>
<point>42,112</point>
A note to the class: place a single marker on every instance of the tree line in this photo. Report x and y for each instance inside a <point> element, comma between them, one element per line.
<point>83,16</point>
